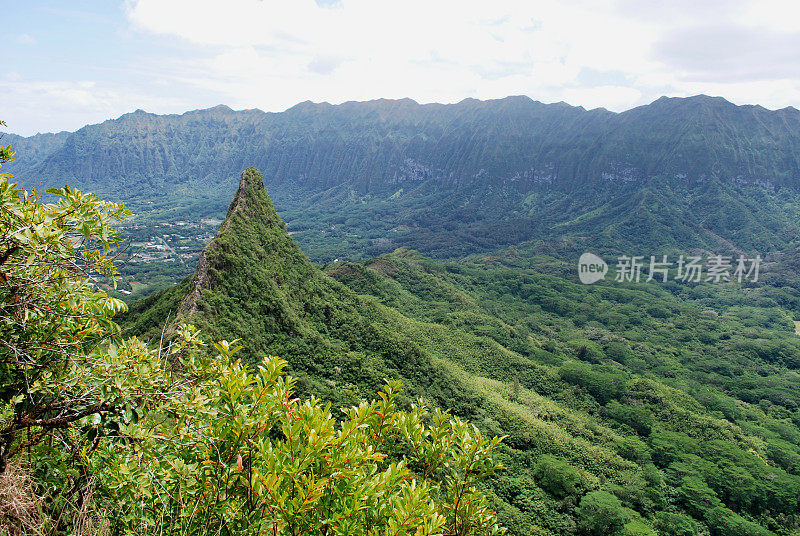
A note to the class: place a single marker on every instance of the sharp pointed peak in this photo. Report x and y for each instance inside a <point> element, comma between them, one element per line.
<point>250,183</point>
<point>251,210</point>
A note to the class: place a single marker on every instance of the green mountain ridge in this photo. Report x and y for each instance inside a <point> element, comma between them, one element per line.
<point>254,283</point>
<point>680,421</point>
<point>390,142</point>
<point>447,180</point>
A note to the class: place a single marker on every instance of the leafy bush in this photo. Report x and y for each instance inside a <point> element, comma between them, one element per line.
<point>600,513</point>
<point>637,528</point>
<point>697,497</point>
<point>556,476</point>
<point>232,451</point>
<point>672,524</point>
<point>603,384</point>
<point>638,418</point>
<point>53,321</point>
<point>724,522</point>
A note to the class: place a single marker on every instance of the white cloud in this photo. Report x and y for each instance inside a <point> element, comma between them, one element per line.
<point>273,53</point>
<point>268,52</point>
<point>775,15</point>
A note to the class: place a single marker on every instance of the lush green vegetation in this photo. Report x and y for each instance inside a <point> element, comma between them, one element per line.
<point>680,382</point>
<point>647,408</point>
<point>642,408</point>
<point>100,434</point>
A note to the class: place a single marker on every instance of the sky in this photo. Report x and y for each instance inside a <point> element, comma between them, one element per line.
<point>68,64</point>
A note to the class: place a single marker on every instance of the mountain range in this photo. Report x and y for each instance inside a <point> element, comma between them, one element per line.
<point>455,179</point>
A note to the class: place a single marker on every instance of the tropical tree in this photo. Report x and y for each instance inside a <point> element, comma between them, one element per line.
<point>53,317</point>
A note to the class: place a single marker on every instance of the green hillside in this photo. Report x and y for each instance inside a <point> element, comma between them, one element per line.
<point>630,408</point>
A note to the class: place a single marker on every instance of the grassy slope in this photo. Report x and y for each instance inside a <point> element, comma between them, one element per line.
<point>635,387</point>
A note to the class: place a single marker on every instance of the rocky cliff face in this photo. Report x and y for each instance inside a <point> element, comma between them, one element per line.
<point>379,144</point>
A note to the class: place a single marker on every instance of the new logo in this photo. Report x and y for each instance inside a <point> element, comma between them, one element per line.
<point>591,268</point>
